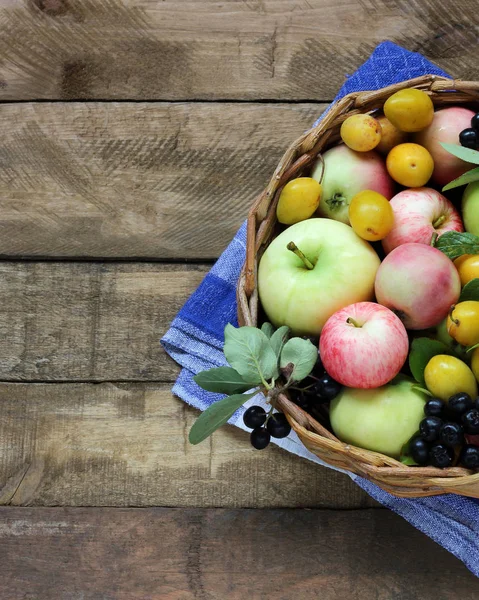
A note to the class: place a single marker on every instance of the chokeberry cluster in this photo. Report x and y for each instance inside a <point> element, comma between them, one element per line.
<point>469,138</point>
<point>447,434</point>
<point>316,391</point>
<point>265,426</point>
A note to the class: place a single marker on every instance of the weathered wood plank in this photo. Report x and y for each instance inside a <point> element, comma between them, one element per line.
<point>90,321</point>
<point>136,179</point>
<point>203,49</point>
<point>182,554</point>
<point>126,445</point>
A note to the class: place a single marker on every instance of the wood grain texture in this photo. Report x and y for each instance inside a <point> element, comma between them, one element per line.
<point>90,321</point>
<point>181,554</point>
<point>136,179</point>
<point>204,49</point>
<point>126,445</point>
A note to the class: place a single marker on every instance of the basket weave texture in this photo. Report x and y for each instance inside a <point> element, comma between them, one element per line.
<point>388,473</point>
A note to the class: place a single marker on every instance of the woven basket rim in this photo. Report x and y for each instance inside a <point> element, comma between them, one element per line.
<point>388,473</point>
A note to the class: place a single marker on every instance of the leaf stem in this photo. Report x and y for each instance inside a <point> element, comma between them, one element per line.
<point>307,263</point>
<point>434,237</point>
<point>268,386</point>
<point>270,414</point>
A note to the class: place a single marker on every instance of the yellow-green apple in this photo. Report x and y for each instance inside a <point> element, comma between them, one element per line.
<point>382,420</point>
<point>446,126</point>
<point>419,213</point>
<point>345,174</point>
<point>419,283</point>
<point>337,268</point>
<point>470,208</point>
<point>363,345</point>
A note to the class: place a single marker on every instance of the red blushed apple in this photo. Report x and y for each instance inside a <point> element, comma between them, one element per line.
<point>419,283</point>
<point>345,174</point>
<point>363,345</point>
<point>419,213</point>
<point>446,126</point>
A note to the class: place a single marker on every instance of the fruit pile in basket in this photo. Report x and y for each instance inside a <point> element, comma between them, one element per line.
<point>375,262</point>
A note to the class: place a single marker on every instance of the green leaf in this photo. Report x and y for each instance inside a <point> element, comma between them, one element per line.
<point>422,350</point>
<point>298,358</point>
<point>418,388</point>
<point>455,244</point>
<point>267,329</point>
<point>215,416</point>
<point>408,460</point>
<point>222,380</point>
<point>469,177</point>
<point>279,339</point>
<point>247,349</point>
<point>470,291</point>
<point>470,156</point>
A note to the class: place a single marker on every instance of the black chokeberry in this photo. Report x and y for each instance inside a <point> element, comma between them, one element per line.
<point>452,434</point>
<point>429,428</point>
<point>278,425</point>
<point>458,404</point>
<point>476,403</point>
<point>327,388</point>
<point>260,438</point>
<point>470,420</point>
<point>318,368</point>
<point>434,407</point>
<point>254,416</point>
<point>419,450</point>
<point>475,122</point>
<point>300,398</point>
<point>469,457</point>
<point>441,456</point>
<point>469,138</point>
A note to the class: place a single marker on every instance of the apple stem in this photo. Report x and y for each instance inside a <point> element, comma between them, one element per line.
<point>307,263</point>
<point>351,321</point>
<point>434,237</point>
<point>438,222</point>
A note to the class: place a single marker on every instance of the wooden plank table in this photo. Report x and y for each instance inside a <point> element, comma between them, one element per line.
<point>135,134</point>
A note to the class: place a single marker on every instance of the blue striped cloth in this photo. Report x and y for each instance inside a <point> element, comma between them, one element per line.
<point>195,341</point>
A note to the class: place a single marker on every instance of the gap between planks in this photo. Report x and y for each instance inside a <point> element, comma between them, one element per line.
<point>165,101</point>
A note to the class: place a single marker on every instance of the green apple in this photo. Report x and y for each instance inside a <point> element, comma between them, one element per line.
<point>338,268</point>
<point>470,208</point>
<point>381,419</point>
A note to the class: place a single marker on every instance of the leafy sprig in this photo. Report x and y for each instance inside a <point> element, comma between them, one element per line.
<point>468,155</point>
<point>257,359</point>
<point>470,291</point>
<point>454,244</point>
<point>422,350</point>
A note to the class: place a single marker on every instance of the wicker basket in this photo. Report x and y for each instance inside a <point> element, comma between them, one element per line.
<point>388,473</point>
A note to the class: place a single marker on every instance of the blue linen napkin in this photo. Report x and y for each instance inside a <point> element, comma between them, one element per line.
<point>195,341</point>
